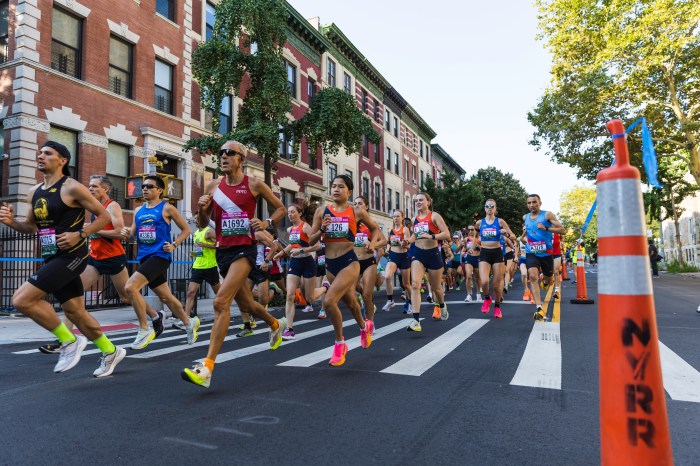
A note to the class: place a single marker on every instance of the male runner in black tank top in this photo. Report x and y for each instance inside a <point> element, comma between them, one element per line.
<point>57,213</point>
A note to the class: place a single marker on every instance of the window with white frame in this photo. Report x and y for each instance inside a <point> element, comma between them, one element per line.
<point>330,75</point>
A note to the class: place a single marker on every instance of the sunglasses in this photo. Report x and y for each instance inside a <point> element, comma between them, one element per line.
<point>490,206</point>
<point>148,186</point>
<point>229,152</point>
<point>470,229</point>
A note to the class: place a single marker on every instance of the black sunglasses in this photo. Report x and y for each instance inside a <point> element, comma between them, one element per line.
<point>229,152</point>
<point>489,206</point>
<point>148,186</point>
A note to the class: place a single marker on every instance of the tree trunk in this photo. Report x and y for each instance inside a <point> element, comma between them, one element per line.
<point>694,165</point>
<point>681,261</point>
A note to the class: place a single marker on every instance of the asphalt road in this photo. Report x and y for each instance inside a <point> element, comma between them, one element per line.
<point>461,409</point>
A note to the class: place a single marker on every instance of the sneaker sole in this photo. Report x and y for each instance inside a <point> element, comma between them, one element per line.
<point>188,376</point>
<point>47,351</point>
<point>120,357</point>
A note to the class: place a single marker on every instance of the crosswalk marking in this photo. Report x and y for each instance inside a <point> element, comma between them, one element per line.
<point>321,355</point>
<point>426,357</point>
<point>540,365</point>
<point>681,380</point>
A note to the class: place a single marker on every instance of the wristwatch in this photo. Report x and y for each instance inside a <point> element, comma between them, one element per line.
<point>83,235</point>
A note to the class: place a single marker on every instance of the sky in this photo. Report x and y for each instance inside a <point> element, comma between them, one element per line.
<point>472,70</point>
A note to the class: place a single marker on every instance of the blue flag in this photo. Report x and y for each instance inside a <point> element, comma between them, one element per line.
<point>648,152</point>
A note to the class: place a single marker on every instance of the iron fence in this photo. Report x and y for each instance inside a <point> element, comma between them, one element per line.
<point>18,260</point>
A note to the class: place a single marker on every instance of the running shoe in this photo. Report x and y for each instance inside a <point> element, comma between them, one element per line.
<point>198,375</point>
<point>556,292</point>
<point>51,348</point>
<point>414,326</point>
<point>70,354</point>
<point>429,298</point>
<point>444,315</point>
<point>339,352</point>
<point>157,324</point>
<point>308,308</point>
<point>407,308</point>
<point>486,307</point>
<point>544,285</point>
<point>192,330</point>
<point>245,332</point>
<point>468,299</point>
<point>505,290</point>
<point>276,335</point>
<point>497,313</point>
<point>143,338</point>
<point>288,334</point>
<point>539,314</point>
<point>322,314</point>
<point>109,361</point>
<point>275,288</point>
<point>366,334</point>
<point>436,312</point>
<point>177,324</point>
<point>388,305</point>
<point>253,323</point>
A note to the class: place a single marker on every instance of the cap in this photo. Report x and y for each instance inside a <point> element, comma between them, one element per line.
<point>62,151</point>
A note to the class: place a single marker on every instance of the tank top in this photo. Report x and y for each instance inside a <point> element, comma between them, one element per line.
<point>204,258</point>
<point>275,266</point>
<point>321,256</point>
<point>556,244</point>
<point>53,217</point>
<point>362,237</point>
<point>425,224</point>
<point>457,253</point>
<point>297,237</point>
<point>105,248</point>
<point>152,231</point>
<point>343,227</point>
<point>396,236</point>
<point>539,242</point>
<point>490,231</point>
<point>234,206</point>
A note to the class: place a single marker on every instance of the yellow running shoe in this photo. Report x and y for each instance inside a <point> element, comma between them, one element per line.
<point>198,375</point>
<point>276,335</point>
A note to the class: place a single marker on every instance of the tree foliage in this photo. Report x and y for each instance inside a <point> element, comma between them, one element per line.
<point>619,59</point>
<point>506,190</point>
<point>456,200</point>
<point>575,205</point>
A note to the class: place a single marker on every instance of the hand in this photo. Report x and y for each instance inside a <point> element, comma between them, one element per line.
<point>295,252</point>
<point>278,255</point>
<point>204,201</point>
<point>7,213</point>
<point>264,266</point>
<point>169,247</point>
<point>257,224</point>
<point>124,231</point>
<point>541,226</point>
<point>68,239</point>
<point>326,222</point>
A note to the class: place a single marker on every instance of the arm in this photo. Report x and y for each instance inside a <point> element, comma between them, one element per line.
<point>76,193</point>
<point>284,251</point>
<point>261,189</point>
<point>205,204</point>
<point>115,214</point>
<point>557,226</point>
<point>7,216</point>
<point>378,240</point>
<point>318,226</point>
<point>171,212</point>
<point>211,236</point>
<point>128,232</point>
<point>442,226</point>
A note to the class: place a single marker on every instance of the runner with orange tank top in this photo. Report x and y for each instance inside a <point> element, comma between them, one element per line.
<point>336,225</point>
<point>398,259</point>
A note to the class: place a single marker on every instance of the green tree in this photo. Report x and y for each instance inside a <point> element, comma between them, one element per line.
<point>574,207</point>
<point>506,190</point>
<point>222,67</point>
<point>456,200</point>
<point>619,59</point>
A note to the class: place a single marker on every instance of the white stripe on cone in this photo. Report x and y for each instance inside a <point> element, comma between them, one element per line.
<point>624,275</point>
<point>616,218</point>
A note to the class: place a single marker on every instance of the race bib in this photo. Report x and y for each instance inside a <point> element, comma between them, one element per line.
<point>339,227</point>
<point>47,237</point>
<point>361,239</point>
<point>321,260</point>
<point>395,240</point>
<point>147,234</point>
<point>197,250</point>
<point>538,247</point>
<point>489,233</point>
<point>235,223</point>
<point>421,227</point>
<point>295,238</point>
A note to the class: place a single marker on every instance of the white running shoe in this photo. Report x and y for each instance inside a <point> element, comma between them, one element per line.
<point>192,330</point>
<point>70,354</point>
<point>109,361</point>
<point>388,305</point>
<point>308,308</point>
<point>468,299</point>
<point>143,338</point>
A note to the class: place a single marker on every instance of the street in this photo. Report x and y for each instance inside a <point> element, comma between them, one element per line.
<point>470,390</point>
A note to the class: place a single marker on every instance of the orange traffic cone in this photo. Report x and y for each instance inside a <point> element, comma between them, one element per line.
<point>564,272</point>
<point>633,419</point>
<point>581,290</point>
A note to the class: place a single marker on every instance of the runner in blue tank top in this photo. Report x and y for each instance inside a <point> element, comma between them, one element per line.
<point>537,238</point>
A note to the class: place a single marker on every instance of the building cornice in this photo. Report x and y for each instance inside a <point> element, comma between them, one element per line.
<point>439,152</point>
<point>420,125</point>
<point>304,30</point>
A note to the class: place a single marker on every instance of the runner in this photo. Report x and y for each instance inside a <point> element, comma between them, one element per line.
<point>336,226</point>
<point>540,225</point>
<point>57,211</point>
<point>302,263</point>
<point>321,273</point>
<point>455,269</point>
<point>556,255</point>
<point>471,252</point>
<point>428,229</point>
<point>398,259</point>
<point>152,229</point>
<point>527,296</point>
<point>491,230</point>
<point>232,200</point>
<point>368,262</point>
<point>204,267</point>
<point>508,256</point>
<point>258,280</point>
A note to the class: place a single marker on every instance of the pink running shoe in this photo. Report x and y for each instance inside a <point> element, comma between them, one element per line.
<point>497,313</point>
<point>366,334</point>
<point>339,352</point>
<point>486,307</point>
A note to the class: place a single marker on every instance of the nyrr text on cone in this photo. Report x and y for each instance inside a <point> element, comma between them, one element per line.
<point>581,289</point>
<point>633,419</point>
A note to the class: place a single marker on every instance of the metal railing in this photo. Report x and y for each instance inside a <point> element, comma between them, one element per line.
<point>20,257</point>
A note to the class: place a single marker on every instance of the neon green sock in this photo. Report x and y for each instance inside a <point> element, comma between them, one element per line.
<point>104,344</point>
<point>63,334</point>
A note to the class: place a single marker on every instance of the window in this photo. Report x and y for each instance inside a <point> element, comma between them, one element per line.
<point>397,164</point>
<point>120,63</point>
<point>253,48</point>
<point>421,149</point>
<point>69,139</point>
<point>376,110</point>
<point>66,43</point>
<point>422,178</point>
<point>291,78</point>
<point>312,156</point>
<point>396,127</point>
<point>210,18</point>
<point>164,87</point>
<point>364,101</point>
<point>387,120</point>
<point>377,196</point>
<point>365,146</point>
<point>388,158</point>
<point>397,205</point>
<point>365,188</point>
<point>405,170</point>
<point>389,198</point>
<point>349,173</point>
<point>427,153</point>
<point>311,90</point>
<point>226,115</point>
<point>287,197</point>
<point>377,159</point>
<point>331,73</point>
<point>409,206</point>
<point>4,31</point>
<point>166,8</point>
<point>413,174</point>
<point>286,146</point>
<point>332,173</point>
<point>347,83</point>
<point>118,171</point>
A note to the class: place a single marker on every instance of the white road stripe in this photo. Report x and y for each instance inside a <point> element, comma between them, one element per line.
<point>310,359</point>
<point>426,357</point>
<point>681,380</point>
<point>616,219</point>
<point>540,365</point>
<point>624,275</point>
